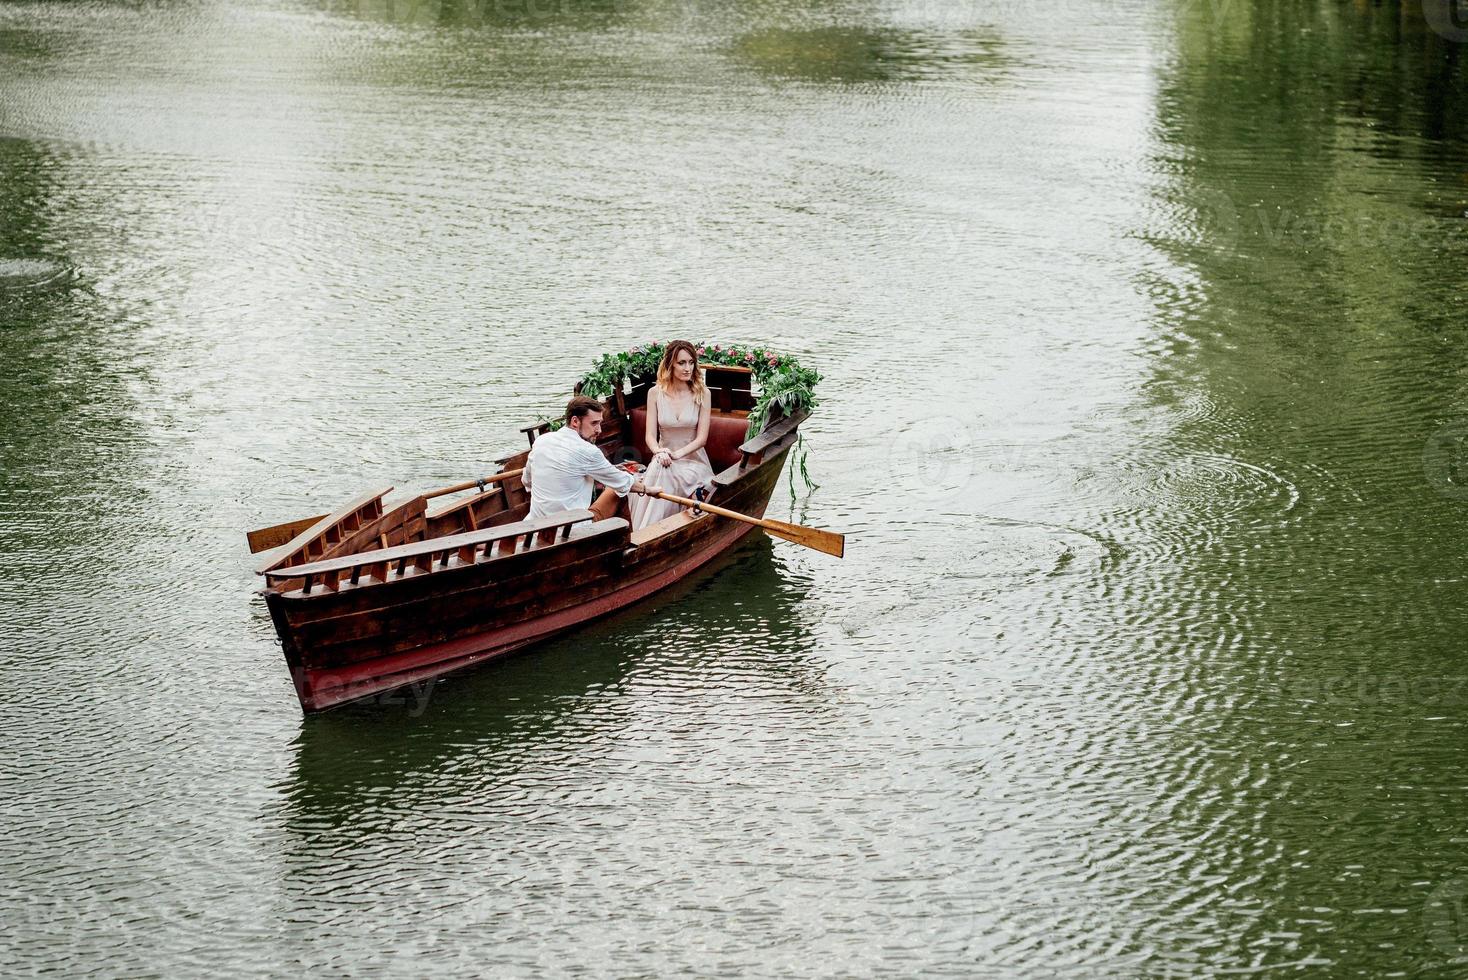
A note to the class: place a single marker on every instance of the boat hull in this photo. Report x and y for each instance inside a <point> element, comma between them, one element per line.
<point>357,643</point>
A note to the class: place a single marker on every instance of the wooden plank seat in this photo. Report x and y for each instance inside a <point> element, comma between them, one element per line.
<point>455,550</point>
<point>667,525</point>
<point>316,539</point>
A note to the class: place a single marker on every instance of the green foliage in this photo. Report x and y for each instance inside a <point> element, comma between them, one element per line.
<point>611,370</point>
<point>788,387</point>
<point>781,381</point>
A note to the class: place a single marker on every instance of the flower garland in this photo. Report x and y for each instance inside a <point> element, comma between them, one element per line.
<point>783,383</point>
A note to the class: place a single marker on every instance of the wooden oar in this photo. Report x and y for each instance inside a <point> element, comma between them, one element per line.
<point>812,537</point>
<point>471,484</point>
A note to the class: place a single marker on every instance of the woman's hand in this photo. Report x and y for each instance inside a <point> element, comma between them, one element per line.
<point>664,457</point>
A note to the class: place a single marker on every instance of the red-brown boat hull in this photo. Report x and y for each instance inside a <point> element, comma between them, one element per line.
<point>359,642</point>
<point>320,689</point>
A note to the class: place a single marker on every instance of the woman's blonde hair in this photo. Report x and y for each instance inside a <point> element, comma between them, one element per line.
<point>665,369</point>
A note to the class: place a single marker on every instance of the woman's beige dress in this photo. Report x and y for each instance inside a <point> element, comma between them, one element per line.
<point>677,427</point>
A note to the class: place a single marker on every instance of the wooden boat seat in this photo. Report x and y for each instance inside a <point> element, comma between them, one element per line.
<point>658,528</point>
<point>726,435</point>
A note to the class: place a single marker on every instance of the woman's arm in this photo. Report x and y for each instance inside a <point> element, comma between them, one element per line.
<point>650,430</point>
<point>704,413</point>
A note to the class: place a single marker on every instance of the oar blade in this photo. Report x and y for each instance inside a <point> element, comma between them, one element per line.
<point>812,537</point>
<point>265,538</point>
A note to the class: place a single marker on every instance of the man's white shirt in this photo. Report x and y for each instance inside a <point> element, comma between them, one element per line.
<point>561,469</point>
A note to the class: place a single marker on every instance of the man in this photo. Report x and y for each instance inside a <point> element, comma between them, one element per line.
<point>563,465</point>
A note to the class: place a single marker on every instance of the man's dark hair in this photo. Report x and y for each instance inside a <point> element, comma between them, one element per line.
<point>580,406</point>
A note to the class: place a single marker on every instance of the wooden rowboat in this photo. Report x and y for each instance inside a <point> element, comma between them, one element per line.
<point>370,598</point>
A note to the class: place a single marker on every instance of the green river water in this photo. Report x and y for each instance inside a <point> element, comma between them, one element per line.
<point>1145,412</point>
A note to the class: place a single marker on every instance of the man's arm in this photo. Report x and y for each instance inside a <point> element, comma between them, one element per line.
<point>604,472</point>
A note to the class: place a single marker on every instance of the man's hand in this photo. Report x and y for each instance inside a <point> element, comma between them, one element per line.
<point>637,487</point>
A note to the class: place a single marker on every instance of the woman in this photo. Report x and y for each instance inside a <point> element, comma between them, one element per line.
<point>677,428</point>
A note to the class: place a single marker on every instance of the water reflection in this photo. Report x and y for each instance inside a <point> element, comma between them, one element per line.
<point>487,733</point>
<point>27,235</point>
<point>1289,409</point>
<point>67,430</point>
<point>522,14</point>
<point>872,54</point>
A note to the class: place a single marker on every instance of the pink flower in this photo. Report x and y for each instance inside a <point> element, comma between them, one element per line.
<point>773,360</point>
<point>749,358</point>
<point>700,352</point>
<point>715,348</point>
